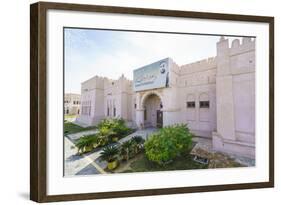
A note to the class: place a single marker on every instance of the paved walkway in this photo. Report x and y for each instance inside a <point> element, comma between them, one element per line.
<point>80,164</point>
<point>88,164</point>
<point>143,133</point>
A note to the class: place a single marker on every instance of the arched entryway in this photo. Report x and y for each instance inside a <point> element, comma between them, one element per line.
<point>152,108</point>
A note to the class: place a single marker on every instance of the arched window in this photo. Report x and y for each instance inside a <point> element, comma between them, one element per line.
<point>190,103</point>
<point>204,100</point>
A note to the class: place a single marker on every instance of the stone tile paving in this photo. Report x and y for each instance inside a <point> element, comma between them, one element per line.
<point>73,163</point>
<point>83,164</point>
<point>102,164</point>
<point>88,170</point>
<point>143,133</point>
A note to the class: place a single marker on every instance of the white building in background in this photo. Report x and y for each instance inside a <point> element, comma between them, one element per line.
<point>71,104</point>
<point>214,96</point>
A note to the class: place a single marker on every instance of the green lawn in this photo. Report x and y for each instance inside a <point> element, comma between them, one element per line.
<point>70,128</point>
<point>70,116</point>
<point>142,164</point>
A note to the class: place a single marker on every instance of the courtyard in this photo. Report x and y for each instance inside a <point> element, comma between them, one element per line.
<point>200,155</point>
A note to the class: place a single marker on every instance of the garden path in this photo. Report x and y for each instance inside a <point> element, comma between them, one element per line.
<point>80,164</point>
<point>144,133</point>
<point>87,164</point>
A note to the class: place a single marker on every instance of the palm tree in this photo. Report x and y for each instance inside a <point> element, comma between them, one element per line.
<point>138,141</point>
<point>126,149</point>
<point>110,154</point>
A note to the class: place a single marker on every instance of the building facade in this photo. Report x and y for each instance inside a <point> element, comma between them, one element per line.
<point>71,104</point>
<point>214,96</point>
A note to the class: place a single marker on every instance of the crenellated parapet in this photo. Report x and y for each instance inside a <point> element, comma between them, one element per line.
<point>238,47</point>
<point>237,58</point>
<point>198,66</point>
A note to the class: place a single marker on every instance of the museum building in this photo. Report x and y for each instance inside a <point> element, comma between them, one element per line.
<point>214,96</point>
<point>71,104</point>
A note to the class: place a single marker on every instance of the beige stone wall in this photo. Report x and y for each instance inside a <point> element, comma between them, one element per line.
<point>105,98</point>
<point>235,93</point>
<point>196,81</point>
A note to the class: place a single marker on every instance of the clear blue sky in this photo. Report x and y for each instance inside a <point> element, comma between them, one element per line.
<point>90,52</point>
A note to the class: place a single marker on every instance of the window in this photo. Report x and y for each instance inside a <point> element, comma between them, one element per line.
<point>204,104</point>
<point>107,111</point>
<point>135,106</point>
<point>114,111</point>
<point>190,101</point>
<point>190,104</point>
<point>161,105</point>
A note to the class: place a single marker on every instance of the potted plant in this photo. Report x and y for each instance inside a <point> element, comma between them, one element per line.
<point>110,154</point>
<point>114,138</point>
<point>85,143</point>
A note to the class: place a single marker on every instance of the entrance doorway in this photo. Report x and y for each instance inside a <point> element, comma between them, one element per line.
<point>153,116</point>
<point>159,120</point>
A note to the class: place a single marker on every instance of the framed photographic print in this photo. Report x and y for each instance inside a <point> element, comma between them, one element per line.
<point>135,102</point>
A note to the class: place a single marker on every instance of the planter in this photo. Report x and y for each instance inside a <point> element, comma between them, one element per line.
<point>115,139</point>
<point>95,145</point>
<point>112,165</point>
<point>88,148</point>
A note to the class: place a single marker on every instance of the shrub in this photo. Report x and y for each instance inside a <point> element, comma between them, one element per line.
<point>171,141</point>
<point>104,136</point>
<point>116,127</point>
<point>109,153</point>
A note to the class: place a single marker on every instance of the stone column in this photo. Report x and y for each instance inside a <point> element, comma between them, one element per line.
<point>140,118</point>
<point>224,93</point>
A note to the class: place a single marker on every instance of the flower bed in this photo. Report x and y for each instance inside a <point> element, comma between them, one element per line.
<point>109,131</point>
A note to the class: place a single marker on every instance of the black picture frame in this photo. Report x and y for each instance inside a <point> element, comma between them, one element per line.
<point>38,100</point>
